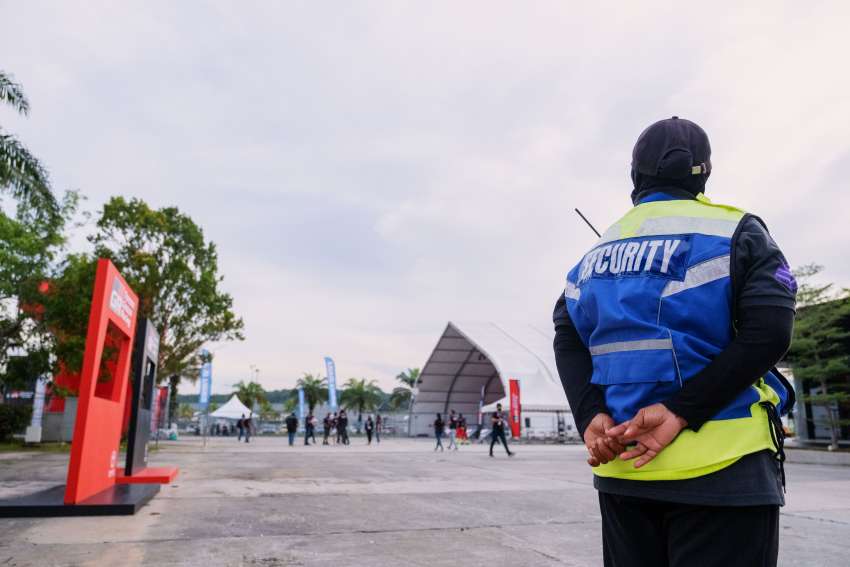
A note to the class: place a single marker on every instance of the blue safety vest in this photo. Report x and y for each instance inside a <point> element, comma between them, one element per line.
<point>652,301</point>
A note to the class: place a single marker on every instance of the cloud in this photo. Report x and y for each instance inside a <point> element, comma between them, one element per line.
<point>372,171</point>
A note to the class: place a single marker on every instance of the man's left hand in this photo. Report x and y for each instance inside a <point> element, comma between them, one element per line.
<point>653,428</point>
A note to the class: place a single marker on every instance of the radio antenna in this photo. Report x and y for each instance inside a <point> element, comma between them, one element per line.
<point>588,223</point>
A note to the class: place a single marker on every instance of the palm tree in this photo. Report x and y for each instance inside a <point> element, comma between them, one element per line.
<point>402,395</point>
<point>249,393</point>
<point>20,172</point>
<point>315,390</point>
<point>360,395</point>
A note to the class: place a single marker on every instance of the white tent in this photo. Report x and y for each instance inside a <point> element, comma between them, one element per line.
<point>233,409</point>
<point>472,364</point>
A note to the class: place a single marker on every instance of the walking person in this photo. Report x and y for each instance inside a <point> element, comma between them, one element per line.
<point>309,429</point>
<point>291,427</point>
<point>342,427</point>
<point>370,428</point>
<point>379,423</point>
<point>497,425</point>
<point>240,425</point>
<point>326,429</point>
<point>666,337</point>
<point>452,430</point>
<point>249,424</point>
<point>439,428</point>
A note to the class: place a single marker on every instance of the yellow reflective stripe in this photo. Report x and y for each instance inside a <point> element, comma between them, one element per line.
<point>702,208</point>
<point>700,274</point>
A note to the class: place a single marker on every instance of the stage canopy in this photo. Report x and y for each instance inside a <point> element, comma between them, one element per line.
<point>471,358</point>
<point>233,409</point>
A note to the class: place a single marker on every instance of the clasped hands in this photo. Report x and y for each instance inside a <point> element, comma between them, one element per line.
<point>643,437</point>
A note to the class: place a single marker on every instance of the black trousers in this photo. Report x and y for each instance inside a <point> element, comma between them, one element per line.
<point>498,435</point>
<point>639,532</point>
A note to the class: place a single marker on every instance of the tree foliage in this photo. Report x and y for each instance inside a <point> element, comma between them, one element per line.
<point>250,393</point>
<point>362,395</point>
<point>402,395</point>
<point>163,255</point>
<point>315,390</point>
<point>820,350</point>
<point>21,173</point>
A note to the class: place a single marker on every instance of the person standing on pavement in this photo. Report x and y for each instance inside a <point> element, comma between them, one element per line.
<point>666,337</point>
<point>249,424</point>
<point>291,427</point>
<point>439,429</point>
<point>342,427</point>
<point>326,429</point>
<point>379,423</point>
<point>240,424</point>
<point>369,428</point>
<point>309,429</point>
<point>452,430</point>
<point>497,426</point>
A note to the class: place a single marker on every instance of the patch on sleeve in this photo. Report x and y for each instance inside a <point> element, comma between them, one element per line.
<point>784,276</point>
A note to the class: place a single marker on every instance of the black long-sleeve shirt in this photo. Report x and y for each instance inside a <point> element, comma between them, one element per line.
<point>764,302</point>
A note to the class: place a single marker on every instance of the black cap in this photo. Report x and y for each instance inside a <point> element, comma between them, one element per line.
<point>674,148</point>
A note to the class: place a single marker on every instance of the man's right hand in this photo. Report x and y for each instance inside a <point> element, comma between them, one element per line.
<point>600,447</point>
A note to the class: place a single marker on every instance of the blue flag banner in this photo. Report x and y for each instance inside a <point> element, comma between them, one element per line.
<point>330,367</point>
<point>301,403</point>
<point>206,381</point>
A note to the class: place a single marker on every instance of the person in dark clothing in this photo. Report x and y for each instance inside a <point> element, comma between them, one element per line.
<point>309,429</point>
<point>240,425</point>
<point>379,423</point>
<point>291,427</point>
<point>497,427</point>
<point>342,427</point>
<point>439,429</point>
<point>326,429</point>
<point>369,427</point>
<point>249,425</point>
<point>666,496</point>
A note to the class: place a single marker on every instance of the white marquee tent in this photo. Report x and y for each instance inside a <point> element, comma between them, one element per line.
<point>472,364</point>
<point>233,409</point>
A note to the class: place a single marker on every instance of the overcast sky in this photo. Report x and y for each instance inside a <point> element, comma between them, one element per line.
<point>372,170</point>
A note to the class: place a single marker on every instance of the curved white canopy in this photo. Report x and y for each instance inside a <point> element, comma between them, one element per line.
<point>472,356</point>
<point>233,409</point>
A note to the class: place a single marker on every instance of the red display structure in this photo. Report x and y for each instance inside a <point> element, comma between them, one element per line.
<point>91,488</point>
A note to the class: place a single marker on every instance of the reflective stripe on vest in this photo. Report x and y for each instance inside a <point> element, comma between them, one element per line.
<point>652,301</point>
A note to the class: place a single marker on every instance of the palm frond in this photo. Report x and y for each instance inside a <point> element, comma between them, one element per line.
<point>13,94</point>
<point>21,172</point>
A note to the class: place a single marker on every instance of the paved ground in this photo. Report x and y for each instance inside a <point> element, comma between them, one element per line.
<point>396,504</point>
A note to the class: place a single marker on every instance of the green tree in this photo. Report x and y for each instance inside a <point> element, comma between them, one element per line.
<point>249,392</point>
<point>402,395</point>
<point>163,255</point>
<point>267,412</point>
<point>820,349</point>
<point>185,411</point>
<point>361,395</point>
<point>315,390</point>
<point>32,236</point>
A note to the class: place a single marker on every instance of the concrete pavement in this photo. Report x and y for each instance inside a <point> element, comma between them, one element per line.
<point>395,504</point>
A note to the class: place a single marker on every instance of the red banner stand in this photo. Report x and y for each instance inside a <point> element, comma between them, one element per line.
<point>516,409</point>
<point>91,488</point>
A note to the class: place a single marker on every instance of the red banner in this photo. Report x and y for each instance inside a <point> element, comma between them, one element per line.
<point>516,409</point>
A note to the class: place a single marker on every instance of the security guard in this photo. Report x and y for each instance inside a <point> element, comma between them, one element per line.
<point>667,334</point>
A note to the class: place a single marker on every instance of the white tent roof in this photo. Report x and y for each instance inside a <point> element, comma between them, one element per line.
<point>233,409</point>
<point>472,356</point>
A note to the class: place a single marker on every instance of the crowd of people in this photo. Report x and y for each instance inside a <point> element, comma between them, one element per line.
<point>334,428</point>
<point>454,427</point>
